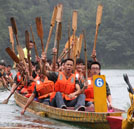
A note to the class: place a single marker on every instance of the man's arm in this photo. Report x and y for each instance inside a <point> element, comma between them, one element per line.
<point>76,93</point>
<point>29,101</point>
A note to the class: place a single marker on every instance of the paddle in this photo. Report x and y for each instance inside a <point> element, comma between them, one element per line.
<point>6,100</point>
<point>59,37</point>
<point>98,22</point>
<point>19,48</point>
<point>28,53</point>
<point>39,27</point>
<point>11,36</point>
<point>12,55</point>
<point>85,52</point>
<point>74,28</point>
<point>35,47</point>
<point>40,34</point>
<point>51,27</point>
<point>130,89</point>
<point>69,38</point>
<point>58,20</point>
<point>80,44</point>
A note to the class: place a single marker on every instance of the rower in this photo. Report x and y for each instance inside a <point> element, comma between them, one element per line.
<point>66,87</point>
<point>94,69</point>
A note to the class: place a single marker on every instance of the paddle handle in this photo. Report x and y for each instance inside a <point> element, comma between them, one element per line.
<point>96,35</point>
<point>69,39</point>
<point>35,47</point>
<point>85,52</point>
<point>48,40</point>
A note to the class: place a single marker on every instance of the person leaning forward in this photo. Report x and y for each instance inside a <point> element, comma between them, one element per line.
<point>67,89</point>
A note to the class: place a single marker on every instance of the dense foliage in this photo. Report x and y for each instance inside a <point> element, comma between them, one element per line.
<point>115,46</point>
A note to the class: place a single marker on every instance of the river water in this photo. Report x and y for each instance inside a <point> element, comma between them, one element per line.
<point>10,113</point>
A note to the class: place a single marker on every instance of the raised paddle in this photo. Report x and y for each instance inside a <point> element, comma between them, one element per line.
<point>11,36</point>
<point>85,52</point>
<point>58,20</point>
<point>35,47</point>
<point>98,22</point>
<point>12,55</point>
<point>51,27</point>
<point>80,44</point>
<point>40,32</point>
<point>74,28</point>
<point>28,53</point>
<point>11,39</point>
<point>59,37</point>
<point>69,38</point>
<point>39,27</point>
<point>19,48</point>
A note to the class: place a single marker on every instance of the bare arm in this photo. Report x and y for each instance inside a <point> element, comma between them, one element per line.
<point>29,101</point>
<point>77,92</point>
<point>109,98</point>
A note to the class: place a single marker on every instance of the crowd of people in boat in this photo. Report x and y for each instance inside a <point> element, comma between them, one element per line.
<point>62,88</point>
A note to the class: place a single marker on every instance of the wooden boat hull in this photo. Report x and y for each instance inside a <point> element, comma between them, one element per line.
<point>90,119</point>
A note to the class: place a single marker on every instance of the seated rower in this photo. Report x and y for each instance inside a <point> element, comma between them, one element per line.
<point>42,91</point>
<point>66,87</point>
<point>94,69</point>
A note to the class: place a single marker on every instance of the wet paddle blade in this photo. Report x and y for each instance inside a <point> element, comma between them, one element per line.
<point>5,101</point>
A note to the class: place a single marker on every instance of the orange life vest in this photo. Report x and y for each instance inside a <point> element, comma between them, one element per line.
<point>44,89</point>
<point>89,92</point>
<point>18,77</point>
<point>65,86</point>
<point>37,78</point>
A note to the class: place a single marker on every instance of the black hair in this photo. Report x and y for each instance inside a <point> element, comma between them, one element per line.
<point>58,64</point>
<point>37,67</point>
<point>49,61</point>
<point>89,63</point>
<point>68,59</point>
<point>31,41</point>
<point>95,62</point>
<point>63,61</point>
<point>9,66</point>
<point>79,61</point>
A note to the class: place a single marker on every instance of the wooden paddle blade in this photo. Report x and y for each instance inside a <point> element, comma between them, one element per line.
<point>12,55</point>
<point>74,20</point>
<point>59,12</point>
<point>99,14</point>
<point>13,23</point>
<point>54,16</point>
<point>39,27</point>
<point>11,34</point>
<point>27,39</point>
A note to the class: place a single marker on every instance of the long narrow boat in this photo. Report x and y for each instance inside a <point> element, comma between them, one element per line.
<point>86,118</point>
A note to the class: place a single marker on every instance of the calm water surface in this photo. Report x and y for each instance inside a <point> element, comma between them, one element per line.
<point>10,113</point>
